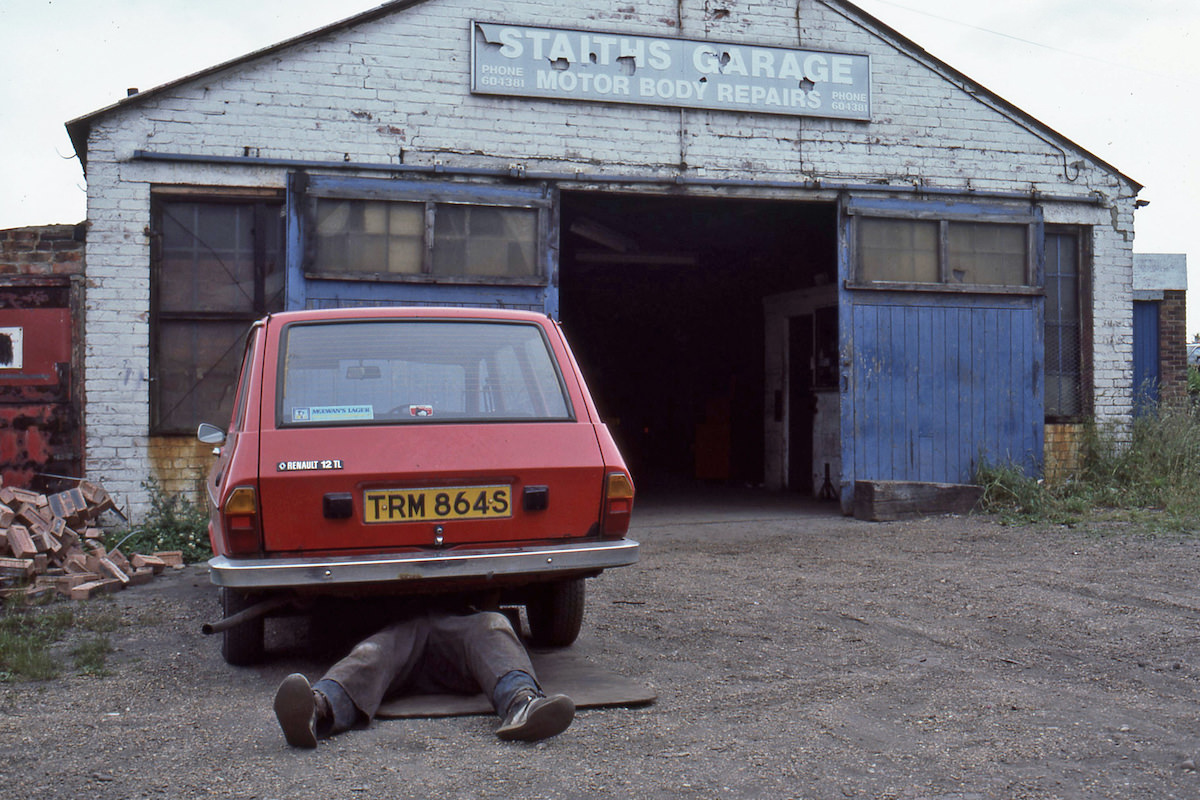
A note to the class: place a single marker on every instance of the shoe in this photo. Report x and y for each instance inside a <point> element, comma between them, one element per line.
<point>297,710</point>
<point>532,717</point>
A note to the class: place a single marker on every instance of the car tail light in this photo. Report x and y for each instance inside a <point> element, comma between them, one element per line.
<point>241,520</point>
<point>618,503</point>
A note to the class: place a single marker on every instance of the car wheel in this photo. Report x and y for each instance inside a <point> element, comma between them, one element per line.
<point>242,644</point>
<point>555,613</point>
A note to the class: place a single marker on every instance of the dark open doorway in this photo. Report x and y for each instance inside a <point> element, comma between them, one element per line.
<point>662,300</point>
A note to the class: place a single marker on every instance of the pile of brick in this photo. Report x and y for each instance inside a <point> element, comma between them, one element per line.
<point>53,543</point>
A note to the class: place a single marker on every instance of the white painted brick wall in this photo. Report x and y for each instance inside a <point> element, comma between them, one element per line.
<point>402,81</point>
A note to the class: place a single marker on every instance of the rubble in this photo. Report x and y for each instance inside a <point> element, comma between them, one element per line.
<point>53,543</point>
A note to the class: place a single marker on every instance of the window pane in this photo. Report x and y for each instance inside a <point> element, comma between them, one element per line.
<point>418,372</point>
<point>223,262</point>
<point>273,266</point>
<point>197,372</point>
<point>485,241</point>
<point>368,236</point>
<point>987,253</point>
<point>207,261</point>
<point>1063,361</point>
<point>899,250</point>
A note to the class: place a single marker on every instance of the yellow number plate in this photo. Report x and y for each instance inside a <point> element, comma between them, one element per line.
<point>450,502</point>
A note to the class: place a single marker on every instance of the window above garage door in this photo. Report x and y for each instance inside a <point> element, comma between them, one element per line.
<point>371,241</point>
<point>943,247</point>
<point>368,228</point>
<point>395,238</point>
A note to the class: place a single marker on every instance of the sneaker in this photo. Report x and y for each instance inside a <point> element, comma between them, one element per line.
<point>298,711</point>
<point>531,717</point>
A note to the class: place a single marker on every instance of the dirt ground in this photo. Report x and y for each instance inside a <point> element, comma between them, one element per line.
<point>796,654</point>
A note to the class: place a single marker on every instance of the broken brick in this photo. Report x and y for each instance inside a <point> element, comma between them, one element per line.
<point>20,542</point>
<point>16,567</point>
<point>154,562</point>
<point>86,591</point>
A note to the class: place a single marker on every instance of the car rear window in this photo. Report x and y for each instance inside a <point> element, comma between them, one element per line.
<point>418,371</point>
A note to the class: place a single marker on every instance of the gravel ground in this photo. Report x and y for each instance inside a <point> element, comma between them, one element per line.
<point>796,654</point>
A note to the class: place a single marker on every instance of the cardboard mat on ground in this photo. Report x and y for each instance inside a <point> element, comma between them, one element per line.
<point>559,672</point>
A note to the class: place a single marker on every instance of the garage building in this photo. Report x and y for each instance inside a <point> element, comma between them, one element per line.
<point>790,247</point>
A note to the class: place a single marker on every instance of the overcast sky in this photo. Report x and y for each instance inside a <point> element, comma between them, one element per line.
<point>1120,78</point>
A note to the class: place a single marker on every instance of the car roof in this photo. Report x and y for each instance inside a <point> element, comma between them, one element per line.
<point>406,312</point>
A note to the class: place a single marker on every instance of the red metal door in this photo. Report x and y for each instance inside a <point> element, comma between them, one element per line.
<point>40,420</point>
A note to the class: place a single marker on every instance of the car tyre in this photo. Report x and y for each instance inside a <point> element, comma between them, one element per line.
<point>555,613</point>
<point>242,644</point>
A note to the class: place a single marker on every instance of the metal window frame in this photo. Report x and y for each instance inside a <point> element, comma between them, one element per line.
<point>1083,299</point>
<point>265,203</point>
<point>306,189</point>
<point>945,214</point>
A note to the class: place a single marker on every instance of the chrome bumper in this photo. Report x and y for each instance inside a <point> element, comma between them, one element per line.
<point>272,573</point>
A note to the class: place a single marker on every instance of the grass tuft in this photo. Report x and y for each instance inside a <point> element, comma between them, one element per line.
<point>91,654</point>
<point>1146,473</point>
<point>34,638</point>
<point>26,634</point>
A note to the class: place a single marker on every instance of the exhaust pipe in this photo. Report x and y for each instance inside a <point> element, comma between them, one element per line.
<point>259,609</point>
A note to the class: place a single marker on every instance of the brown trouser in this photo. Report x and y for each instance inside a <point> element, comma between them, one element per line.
<point>436,652</point>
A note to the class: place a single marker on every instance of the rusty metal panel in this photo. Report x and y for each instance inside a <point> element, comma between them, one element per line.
<point>40,420</point>
<point>32,342</point>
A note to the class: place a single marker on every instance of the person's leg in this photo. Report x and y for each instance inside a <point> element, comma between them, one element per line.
<point>468,653</point>
<point>382,664</point>
<point>353,688</point>
<point>481,652</point>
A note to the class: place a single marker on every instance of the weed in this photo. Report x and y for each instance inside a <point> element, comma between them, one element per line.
<point>90,655</point>
<point>26,634</point>
<point>174,522</point>
<point>99,621</point>
<point>30,631</point>
<point>1145,473</point>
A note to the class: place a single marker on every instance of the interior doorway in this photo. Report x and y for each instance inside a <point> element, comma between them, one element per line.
<point>802,404</point>
<point>662,299</point>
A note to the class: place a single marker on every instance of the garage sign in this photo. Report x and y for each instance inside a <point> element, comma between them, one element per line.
<point>565,64</point>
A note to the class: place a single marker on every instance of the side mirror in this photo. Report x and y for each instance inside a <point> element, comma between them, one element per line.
<point>210,434</point>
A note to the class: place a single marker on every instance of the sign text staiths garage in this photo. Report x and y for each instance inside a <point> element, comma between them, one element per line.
<point>527,61</point>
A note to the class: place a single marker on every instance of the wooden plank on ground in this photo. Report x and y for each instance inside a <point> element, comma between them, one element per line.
<point>882,501</point>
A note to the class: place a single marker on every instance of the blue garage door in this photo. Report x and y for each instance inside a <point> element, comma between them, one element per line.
<point>1145,355</point>
<point>942,342</point>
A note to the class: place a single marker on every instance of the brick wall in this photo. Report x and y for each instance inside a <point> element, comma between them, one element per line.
<point>1064,446</point>
<point>1172,347</point>
<point>42,250</point>
<point>396,89</point>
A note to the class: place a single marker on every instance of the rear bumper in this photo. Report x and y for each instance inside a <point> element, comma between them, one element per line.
<point>434,566</point>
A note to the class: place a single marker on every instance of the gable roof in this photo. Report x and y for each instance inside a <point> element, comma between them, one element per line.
<point>79,128</point>
<point>974,87</point>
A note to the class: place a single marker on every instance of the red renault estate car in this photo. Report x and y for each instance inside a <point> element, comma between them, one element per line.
<point>412,450</point>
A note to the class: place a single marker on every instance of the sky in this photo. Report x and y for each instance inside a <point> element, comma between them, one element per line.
<point>1119,78</point>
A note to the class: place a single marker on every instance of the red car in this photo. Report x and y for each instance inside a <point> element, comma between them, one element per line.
<point>412,450</point>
